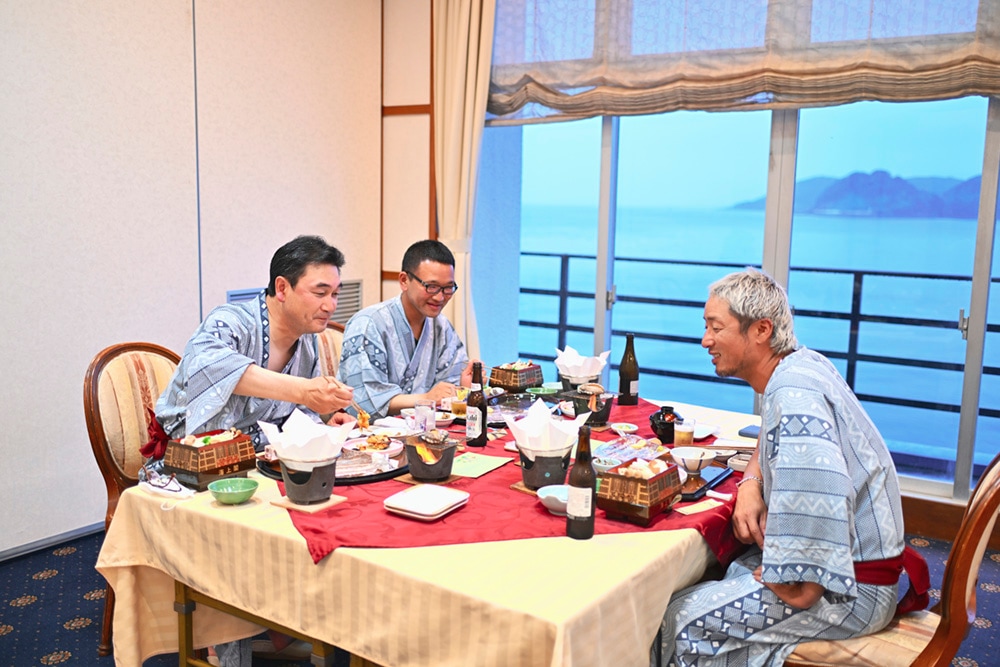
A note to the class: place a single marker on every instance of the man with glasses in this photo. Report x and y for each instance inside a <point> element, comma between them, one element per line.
<point>404,350</point>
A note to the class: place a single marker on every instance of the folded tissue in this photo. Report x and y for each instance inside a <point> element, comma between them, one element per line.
<point>539,433</point>
<point>304,444</point>
<point>571,364</point>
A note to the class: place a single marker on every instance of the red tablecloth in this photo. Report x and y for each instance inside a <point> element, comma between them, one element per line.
<point>494,512</point>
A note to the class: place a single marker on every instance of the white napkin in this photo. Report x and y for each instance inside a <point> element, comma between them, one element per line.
<point>304,441</point>
<point>571,364</point>
<point>538,431</point>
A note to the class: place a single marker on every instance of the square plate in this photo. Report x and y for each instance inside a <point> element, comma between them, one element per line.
<point>425,502</point>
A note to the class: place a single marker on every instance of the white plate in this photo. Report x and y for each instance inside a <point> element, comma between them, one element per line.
<point>623,427</point>
<point>443,419</point>
<point>702,431</point>
<point>392,432</point>
<point>566,407</point>
<point>425,502</point>
<point>357,444</point>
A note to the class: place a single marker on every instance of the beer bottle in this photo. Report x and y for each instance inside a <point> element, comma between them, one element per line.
<point>582,496</point>
<point>475,411</point>
<point>628,374</point>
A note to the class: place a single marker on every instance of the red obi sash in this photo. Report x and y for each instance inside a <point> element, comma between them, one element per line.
<point>886,573</point>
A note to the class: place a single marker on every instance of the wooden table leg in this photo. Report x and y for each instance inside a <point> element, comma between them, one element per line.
<point>184,606</point>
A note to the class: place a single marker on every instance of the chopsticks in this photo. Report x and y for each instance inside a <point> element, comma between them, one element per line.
<point>354,403</point>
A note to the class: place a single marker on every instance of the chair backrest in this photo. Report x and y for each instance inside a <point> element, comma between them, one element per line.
<point>958,589</point>
<point>121,382</point>
<point>329,343</point>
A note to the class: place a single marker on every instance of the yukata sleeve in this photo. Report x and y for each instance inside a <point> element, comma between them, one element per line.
<point>810,504</point>
<point>211,369</point>
<point>452,357</point>
<point>364,364</point>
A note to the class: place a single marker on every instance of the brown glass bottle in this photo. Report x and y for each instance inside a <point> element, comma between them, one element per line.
<point>582,497</point>
<point>628,374</point>
<point>475,411</point>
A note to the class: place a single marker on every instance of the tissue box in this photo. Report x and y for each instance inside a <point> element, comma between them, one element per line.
<point>516,381</point>
<point>196,466</point>
<point>634,499</point>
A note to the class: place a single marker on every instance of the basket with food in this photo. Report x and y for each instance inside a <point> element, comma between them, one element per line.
<point>516,376</point>
<point>197,460</point>
<point>638,490</point>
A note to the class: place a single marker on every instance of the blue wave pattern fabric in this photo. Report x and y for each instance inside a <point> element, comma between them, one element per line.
<point>200,395</point>
<point>833,498</point>
<point>380,358</point>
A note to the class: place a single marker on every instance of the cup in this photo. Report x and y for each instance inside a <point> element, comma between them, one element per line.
<point>446,403</point>
<point>423,413</point>
<point>684,433</point>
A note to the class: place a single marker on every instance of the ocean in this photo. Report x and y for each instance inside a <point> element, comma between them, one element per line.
<point>934,256</point>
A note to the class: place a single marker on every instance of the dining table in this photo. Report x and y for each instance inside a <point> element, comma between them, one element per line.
<point>494,583</point>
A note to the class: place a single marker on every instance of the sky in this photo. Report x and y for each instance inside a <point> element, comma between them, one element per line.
<point>712,160</point>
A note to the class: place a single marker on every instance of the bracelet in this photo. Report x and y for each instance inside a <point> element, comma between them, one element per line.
<point>749,478</point>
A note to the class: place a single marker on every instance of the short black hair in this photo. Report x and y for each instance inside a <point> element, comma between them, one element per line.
<point>427,250</point>
<point>292,259</point>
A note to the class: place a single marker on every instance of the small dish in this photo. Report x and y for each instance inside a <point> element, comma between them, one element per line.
<point>622,428</point>
<point>692,459</point>
<point>443,419</point>
<point>739,462</point>
<point>554,497</point>
<point>566,407</point>
<point>723,455</point>
<point>604,464</point>
<point>425,502</point>
<point>541,391</point>
<point>233,490</point>
<point>554,386</point>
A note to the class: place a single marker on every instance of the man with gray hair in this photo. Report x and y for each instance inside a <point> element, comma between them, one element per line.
<point>819,503</point>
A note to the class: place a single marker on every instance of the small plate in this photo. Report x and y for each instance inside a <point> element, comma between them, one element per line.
<point>426,502</point>
<point>554,497</point>
<point>566,407</point>
<point>624,427</point>
<point>443,419</point>
<point>359,445</point>
<point>702,431</point>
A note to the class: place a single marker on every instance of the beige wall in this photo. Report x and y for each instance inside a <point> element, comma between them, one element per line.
<point>101,163</point>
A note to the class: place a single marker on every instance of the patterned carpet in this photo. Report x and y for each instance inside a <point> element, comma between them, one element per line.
<point>52,602</point>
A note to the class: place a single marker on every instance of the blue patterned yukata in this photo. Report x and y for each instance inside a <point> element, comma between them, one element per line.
<point>380,358</point>
<point>833,498</point>
<point>200,396</point>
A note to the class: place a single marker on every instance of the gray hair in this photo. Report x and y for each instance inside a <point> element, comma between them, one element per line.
<point>753,295</point>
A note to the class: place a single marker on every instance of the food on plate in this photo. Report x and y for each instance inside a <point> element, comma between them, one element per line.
<point>375,443</point>
<point>644,469</point>
<point>435,437</point>
<point>224,436</point>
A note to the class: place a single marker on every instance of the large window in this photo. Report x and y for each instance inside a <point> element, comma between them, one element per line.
<point>879,253</point>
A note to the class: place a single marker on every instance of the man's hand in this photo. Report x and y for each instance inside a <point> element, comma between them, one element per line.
<point>466,380</point>
<point>339,418</point>
<point>750,514</point>
<point>325,395</point>
<point>439,391</point>
<point>799,594</point>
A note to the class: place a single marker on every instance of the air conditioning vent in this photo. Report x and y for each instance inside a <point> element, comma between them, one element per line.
<point>348,303</point>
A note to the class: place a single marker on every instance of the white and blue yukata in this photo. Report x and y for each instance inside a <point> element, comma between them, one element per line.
<point>200,395</point>
<point>833,498</point>
<point>380,358</point>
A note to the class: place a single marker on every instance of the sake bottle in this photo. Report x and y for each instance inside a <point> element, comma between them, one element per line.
<point>475,411</point>
<point>582,496</point>
<point>628,374</point>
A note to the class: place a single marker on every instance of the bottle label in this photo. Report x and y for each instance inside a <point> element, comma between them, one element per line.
<point>578,502</point>
<point>475,386</point>
<point>633,387</point>
<point>473,423</point>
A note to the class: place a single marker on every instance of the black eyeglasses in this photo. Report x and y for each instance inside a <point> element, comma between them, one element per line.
<point>434,288</point>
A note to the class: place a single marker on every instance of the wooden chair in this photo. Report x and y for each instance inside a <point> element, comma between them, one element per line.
<point>329,344</point>
<point>925,638</point>
<point>121,382</point>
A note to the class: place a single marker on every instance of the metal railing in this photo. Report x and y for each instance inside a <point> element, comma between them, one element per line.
<point>854,317</point>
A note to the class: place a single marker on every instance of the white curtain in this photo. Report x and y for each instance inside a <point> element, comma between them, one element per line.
<point>564,59</point>
<point>463,39</point>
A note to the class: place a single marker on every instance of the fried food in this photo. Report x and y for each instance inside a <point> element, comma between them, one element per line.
<point>375,443</point>
<point>364,420</point>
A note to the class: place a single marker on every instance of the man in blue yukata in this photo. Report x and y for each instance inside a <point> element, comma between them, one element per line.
<point>404,350</point>
<point>819,503</point>
<point>256,361</point>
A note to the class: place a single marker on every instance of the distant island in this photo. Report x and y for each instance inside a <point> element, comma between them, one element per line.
<point>881,195</point>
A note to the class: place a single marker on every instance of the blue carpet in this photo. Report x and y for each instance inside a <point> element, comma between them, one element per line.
<point>52,602</point>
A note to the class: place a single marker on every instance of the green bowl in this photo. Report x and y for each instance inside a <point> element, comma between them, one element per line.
<point>234,490</point>
<point>540,391</point>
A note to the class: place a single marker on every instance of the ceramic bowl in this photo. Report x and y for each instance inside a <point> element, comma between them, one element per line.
<point>692,459</point>
<point>234,490</point>
<point>604,464</point>
<point>541,392</point>
<point>554,497</point>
